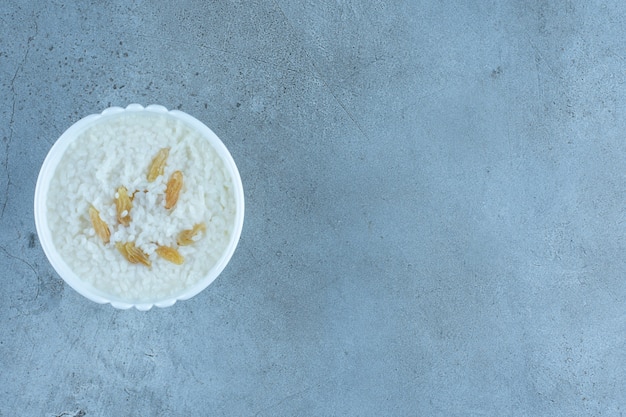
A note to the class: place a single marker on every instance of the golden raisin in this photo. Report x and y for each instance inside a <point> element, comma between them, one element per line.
<point>101,228</point>
<point>158,164</point>
<point>170,254</point>
<point>133,254</point>
<point>186,236</point>
<point>123,204</point>
<point>172,191</point>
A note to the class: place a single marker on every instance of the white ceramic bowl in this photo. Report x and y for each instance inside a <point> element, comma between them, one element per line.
<point>45,236</point>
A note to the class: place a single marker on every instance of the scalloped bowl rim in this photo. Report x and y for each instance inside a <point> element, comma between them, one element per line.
<point>46,173</point>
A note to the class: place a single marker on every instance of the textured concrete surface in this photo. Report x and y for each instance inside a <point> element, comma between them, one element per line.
<point>434,221</point>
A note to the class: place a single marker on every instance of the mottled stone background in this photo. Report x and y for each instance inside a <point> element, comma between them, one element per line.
<point>434,220</point>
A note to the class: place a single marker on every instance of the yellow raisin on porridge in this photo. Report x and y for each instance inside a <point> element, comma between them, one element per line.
<point>186,237</point>
<point>123,204</point>
<point>158,164</point>
<point>133,254</point>
<point>99,225</point>
<point>170,254</point>
<point>172,191</point>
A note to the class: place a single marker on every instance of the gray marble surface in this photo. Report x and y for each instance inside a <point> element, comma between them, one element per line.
<point>434,208</point>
